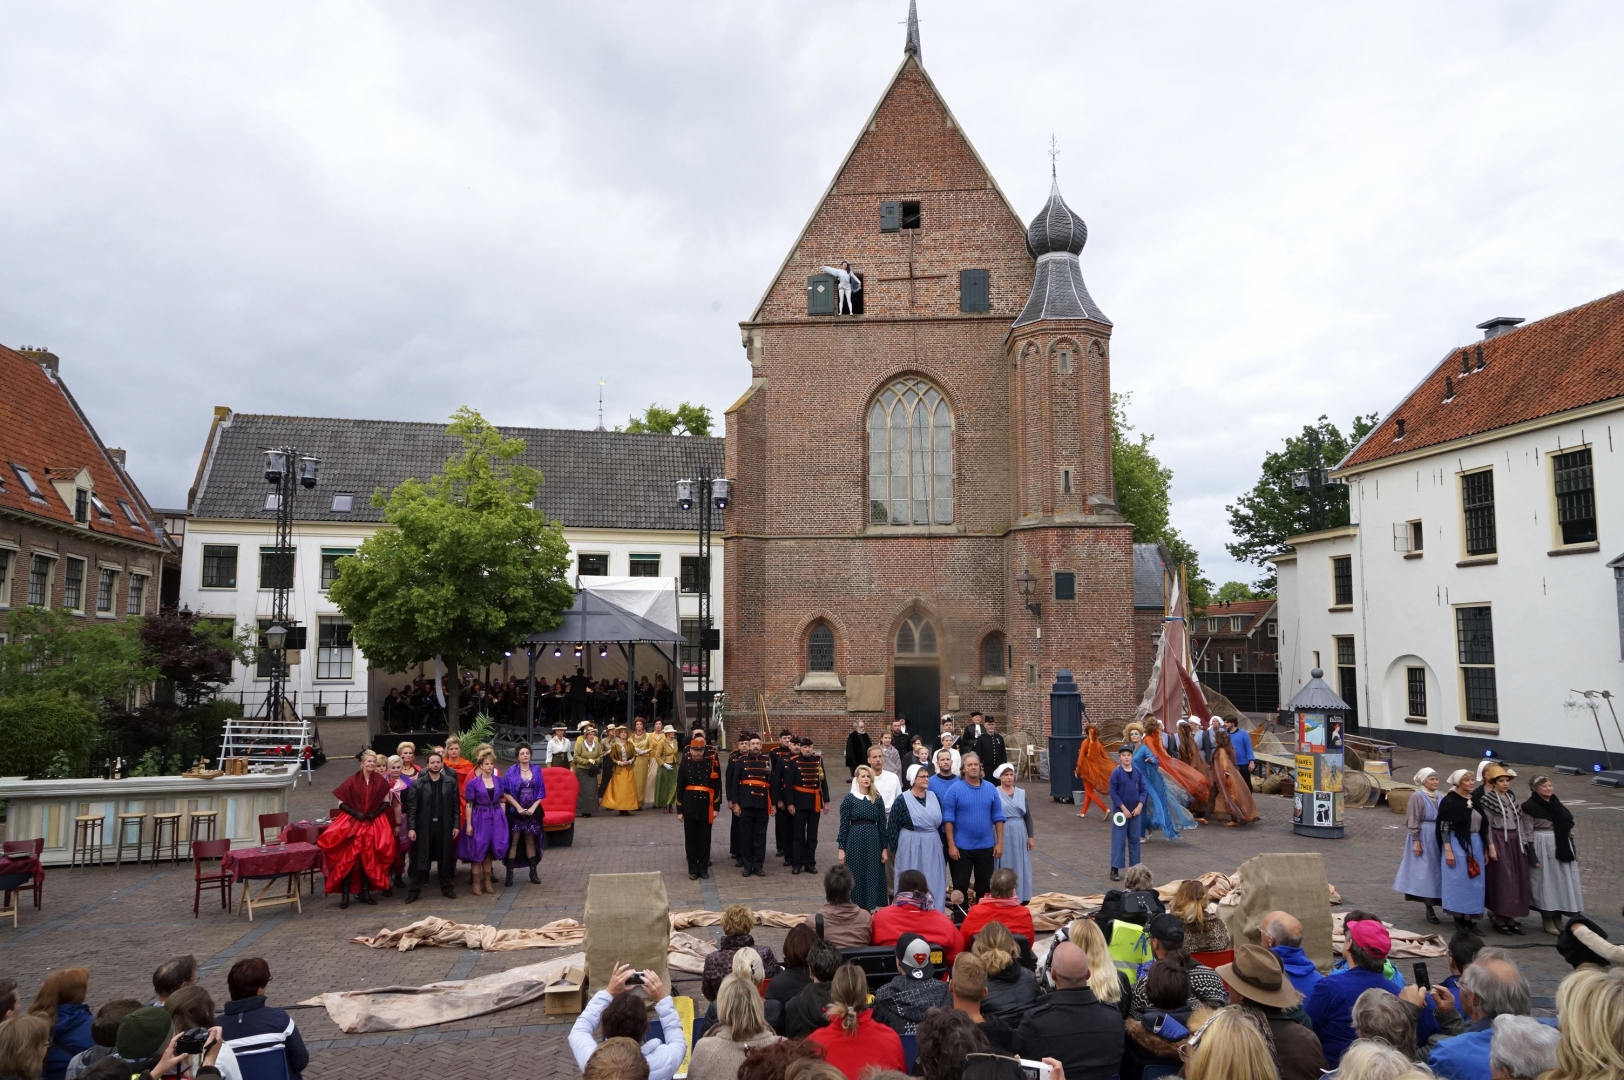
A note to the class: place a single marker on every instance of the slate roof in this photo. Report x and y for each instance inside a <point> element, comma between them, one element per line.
<point>593,479</point>
<point>1055,238</point>
<point>43,429</point>
<point>1148,576</point>
<point>1566,361</point>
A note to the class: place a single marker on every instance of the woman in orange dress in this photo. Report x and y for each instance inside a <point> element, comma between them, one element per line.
<point>1094,767</point>
<point>464,770</point>
<point>1233,791</point>
<point>1189,781</point>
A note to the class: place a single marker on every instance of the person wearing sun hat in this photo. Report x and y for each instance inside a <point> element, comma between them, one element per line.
<point>587,761</point>
<point>1257,982</point>
<point>1508,888</point>
<point>666,756</point>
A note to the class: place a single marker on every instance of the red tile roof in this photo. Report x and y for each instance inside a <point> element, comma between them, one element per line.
<point>43,430</point>
<point>1569,360</point>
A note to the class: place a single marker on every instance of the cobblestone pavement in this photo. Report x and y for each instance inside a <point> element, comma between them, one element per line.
<point>121,923</point>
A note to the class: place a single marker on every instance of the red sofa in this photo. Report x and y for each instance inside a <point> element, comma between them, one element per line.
<point>558,805</point>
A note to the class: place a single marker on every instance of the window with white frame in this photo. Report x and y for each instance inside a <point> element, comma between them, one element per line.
<point>1477,512</point>
<point>335,653</point>
<point>136,604</point>
<point>8,559</point>
<point>40,569</point>
<point>106,590</point>
<point>1272,628</point>
<point>1237,623</point>
<point>1575,496</point>
<point>73,584</point>
<point>219,566</point>
<point>644,566</point>
<point>910,456</point>
<point>1342,581</point>
<point>329,565</point>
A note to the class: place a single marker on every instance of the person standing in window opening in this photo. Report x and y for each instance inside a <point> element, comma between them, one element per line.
<point>523,790</point>
<point>587,761</point>
<point>1555,869</point>
<point>808,801</point>
<point>486,838</point>
<point>1420,870</point>
<point>1463,836</point>
<point>857,744</point>
<point>912,837</point>
<point>1127,790</point>
<point>1019,835</point>
<point>848,283</point>
<point>1093,768</point>
<point>751,796</point>
<point>1508,895</point>
<point>700,789</point>
<point>359,847</point>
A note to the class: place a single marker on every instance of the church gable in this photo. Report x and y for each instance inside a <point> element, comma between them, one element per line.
<point>911,151</point>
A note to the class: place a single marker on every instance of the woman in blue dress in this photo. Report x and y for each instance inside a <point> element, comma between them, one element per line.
<point>1463,837</point>
<point>1163,812</point>
<point>861,844</point>
<point>911,836</point>
<point>1420,873</point>
<point>1018,837</point>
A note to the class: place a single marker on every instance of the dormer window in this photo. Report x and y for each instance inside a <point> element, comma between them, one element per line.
<point>81,506</point>
<point>27,482</point>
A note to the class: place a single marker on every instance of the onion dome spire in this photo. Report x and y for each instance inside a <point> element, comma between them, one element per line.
<point>1055,239</point>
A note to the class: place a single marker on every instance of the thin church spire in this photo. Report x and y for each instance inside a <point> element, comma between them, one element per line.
<point>911,45</point>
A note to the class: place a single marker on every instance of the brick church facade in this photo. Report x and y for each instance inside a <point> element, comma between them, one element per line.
<point>924,516</point>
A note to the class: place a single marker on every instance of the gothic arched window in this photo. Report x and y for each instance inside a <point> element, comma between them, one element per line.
<point>910,456</point>
<point>916,638</point>
<point>820,649</point>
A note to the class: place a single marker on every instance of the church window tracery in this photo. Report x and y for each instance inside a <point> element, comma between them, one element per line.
<point>910,453</point>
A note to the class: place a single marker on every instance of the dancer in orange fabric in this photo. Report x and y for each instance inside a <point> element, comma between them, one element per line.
<point>1191,781</point>
<point>1094,767</point>
<point>1233,791</point>
<point>361,842</point>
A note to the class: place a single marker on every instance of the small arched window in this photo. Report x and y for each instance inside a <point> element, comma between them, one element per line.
<point>992,656</point>
<point>916,638</point>
<point>910,456</point>
<point>820,649</point>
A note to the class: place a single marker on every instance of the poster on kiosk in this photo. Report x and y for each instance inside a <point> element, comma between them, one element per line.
<point>1317,802</point>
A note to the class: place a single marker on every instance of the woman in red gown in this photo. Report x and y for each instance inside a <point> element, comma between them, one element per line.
<point>361,842</point>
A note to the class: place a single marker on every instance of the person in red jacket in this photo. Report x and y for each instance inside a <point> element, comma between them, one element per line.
<point>1000,906</point>
<point>913,913</point>
<point>853,1040</point>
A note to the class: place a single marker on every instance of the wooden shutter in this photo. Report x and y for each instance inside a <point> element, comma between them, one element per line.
<point>975,293</point>
<point>890,216</point>
<point>821,295</point>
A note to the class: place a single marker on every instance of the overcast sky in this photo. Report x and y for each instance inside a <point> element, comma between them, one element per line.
<point>388,210</point>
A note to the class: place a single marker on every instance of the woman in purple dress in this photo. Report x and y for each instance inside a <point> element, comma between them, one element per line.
<point>523,790</point>
<point>399,785</point>
<point>486,837</point>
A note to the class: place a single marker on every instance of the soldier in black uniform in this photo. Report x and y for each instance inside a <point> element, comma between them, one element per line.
<point>808,792</point>
<point>751,796</point>
<point>730,786</point>
<point>781,755</point>
<point>699,789</point>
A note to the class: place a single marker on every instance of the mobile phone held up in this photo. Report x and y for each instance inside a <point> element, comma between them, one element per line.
<point>635,979</point>
<point>1035,1070</point>
<point>1422,979</point>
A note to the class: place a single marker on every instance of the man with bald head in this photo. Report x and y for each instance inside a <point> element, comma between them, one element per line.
<point>1282,934</point>
<point>1071,1024</point>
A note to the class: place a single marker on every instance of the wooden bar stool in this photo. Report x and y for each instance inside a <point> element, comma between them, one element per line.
<point>166,834</point>
<point>138,818</point>
<point>201,820</point>
<point>87,834</point>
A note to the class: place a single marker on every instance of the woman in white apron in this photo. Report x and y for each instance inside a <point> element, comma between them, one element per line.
<point>1420,872</point>
<point>1018,838</point>
<point>912,836</point>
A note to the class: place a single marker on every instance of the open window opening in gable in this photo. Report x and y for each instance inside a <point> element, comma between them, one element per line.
<point>910,214</point>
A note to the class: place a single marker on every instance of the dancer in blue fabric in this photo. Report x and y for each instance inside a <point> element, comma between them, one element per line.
<point>1162,811</point>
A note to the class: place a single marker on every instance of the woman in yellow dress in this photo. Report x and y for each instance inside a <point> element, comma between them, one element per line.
<point>643,749</point>
<point>622,793</point>
<point>666,759</point>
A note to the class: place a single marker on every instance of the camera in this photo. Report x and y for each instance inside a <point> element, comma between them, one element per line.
<point>1035,1070</point>
<point>192,1041</point>
<point>635,979</point>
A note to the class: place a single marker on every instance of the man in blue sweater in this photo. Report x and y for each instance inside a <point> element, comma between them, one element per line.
<point>1282,934</point>
<point>1241,743</point>
<point>1490,986</point>
<point>1330,1006</point>
<point>1127,799</point>
<point>266,1041</point>
<point>973,816</point>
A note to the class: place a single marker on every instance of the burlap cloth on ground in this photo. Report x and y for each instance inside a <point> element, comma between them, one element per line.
<point>685,952</point>
<point>395,1008</point>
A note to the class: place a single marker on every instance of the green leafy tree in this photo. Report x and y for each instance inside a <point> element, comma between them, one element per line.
<point>1264,518</point>
<point>1144,495</point>
<point>95,661</point>
<point>469,569</point>
<point>48,733</point>
<point>1231,591</point>
<point>193,654</point>
<point>685,419</point>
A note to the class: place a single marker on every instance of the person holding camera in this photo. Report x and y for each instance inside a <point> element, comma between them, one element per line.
<point>623,1009</point>
<point>192,1011</point>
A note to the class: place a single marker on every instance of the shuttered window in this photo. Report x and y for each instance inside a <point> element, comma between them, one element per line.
<point>975,293</point>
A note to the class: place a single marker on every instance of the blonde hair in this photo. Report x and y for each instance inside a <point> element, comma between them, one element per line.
<point>1136,726</point>
<point>995,947</point>
<point>1590,1003</point>
<point>485,750</point>
<point>1137,878</point>
<point>739,1007</point>
<point>1372,1059</point>
<point>373,754</point>
<point>873,789</point>
<point>394,759</point>
<point>747,964</point>
<point>737,919</point>
<point>1102,972</point>
<point>406,746</point>
<point>1190,905</point>
<point>619,1058</point>
<point>1231,1048</point>
<point>21,1040</point>
<point>848,996</point>
<point>449,739</point>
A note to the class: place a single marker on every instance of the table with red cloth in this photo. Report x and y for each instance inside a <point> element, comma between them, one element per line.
<point>254,864</point>
<point>27,865</point>
<point>319,826</point>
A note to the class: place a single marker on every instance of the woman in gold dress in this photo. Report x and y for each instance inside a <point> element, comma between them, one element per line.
<point>643,751</point>
<point>665,770</point>
<point>622,792</point>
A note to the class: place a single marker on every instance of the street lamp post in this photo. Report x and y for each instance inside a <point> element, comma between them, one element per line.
<point>286,471</point>
<point>712,492</point>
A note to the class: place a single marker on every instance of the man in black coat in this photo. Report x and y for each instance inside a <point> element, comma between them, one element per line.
<point>699,790</point>
<point>806,799</point>
<point>988,743</point>
<point>857,744</point>
<point>780,756</point>
<point>1071,1024</point>
<point>432,807</point>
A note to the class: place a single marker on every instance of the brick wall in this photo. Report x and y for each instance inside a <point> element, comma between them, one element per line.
<point>30,538</point>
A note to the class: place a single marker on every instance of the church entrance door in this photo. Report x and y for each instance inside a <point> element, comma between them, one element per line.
<point>919,701</point>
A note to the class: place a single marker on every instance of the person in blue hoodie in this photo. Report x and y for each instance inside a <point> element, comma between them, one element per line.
<point>62,1001</point>
<point>1330,1006</point>
<point>1282,934</point>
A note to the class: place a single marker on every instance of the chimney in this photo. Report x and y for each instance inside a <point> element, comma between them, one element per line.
<point>1500,324</point>
<point>117,454</point>
<point>43,357</point>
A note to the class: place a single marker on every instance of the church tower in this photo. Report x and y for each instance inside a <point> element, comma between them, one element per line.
<point>926,430</point>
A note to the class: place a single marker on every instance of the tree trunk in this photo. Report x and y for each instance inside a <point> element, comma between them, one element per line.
<point>453,695</point>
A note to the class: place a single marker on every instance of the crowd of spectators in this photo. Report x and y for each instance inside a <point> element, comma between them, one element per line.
<point>565,700</point>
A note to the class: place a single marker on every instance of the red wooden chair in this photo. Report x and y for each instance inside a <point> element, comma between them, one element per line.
<point>307,835</point>
<point>210,849</point>
<point>28,847</point>
<point>273,822</point>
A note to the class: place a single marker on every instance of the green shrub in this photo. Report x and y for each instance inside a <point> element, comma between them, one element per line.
<point>48,733</point>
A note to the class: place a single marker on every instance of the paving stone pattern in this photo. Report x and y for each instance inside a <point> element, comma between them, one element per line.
<point>122,922</point>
